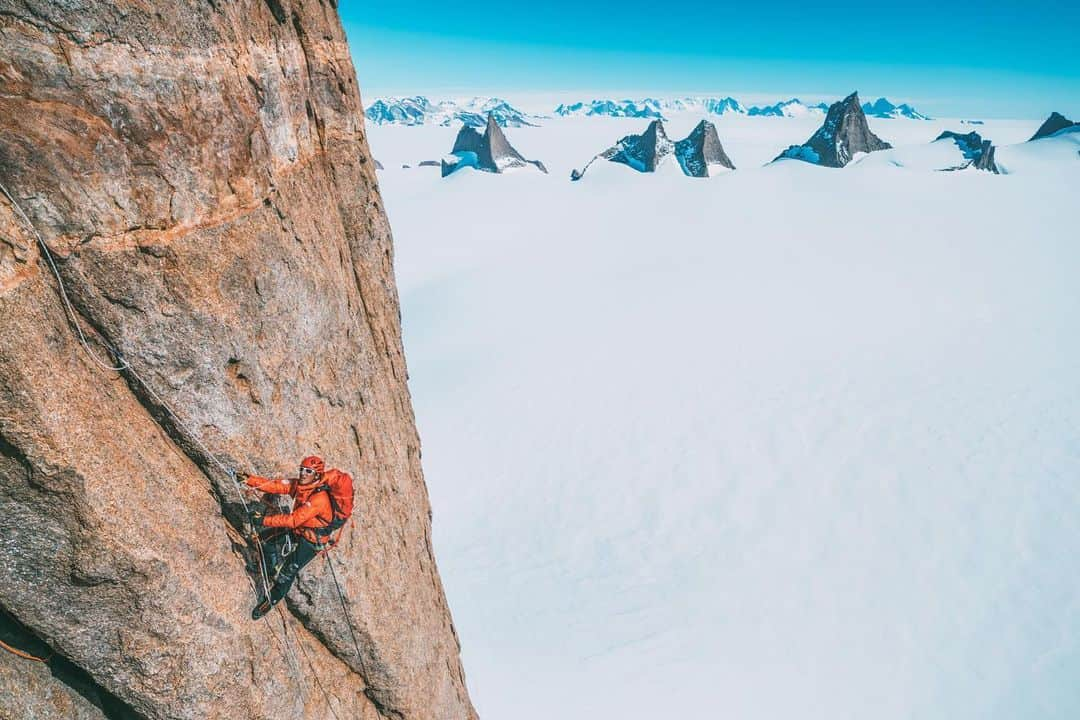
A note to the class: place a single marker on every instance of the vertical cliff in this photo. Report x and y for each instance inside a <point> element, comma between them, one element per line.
<point>200,170</point>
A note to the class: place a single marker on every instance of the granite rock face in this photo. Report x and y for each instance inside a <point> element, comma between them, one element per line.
<point>701,150</point>
<point>201,172</point>
<point>1055,123</point>
<point>844,133</point>
<point>490,152</point>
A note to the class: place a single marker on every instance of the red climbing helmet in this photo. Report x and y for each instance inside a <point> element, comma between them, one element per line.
<point>313,462</point>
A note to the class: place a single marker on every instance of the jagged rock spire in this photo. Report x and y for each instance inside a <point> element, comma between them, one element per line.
<point>1055,123</point>
<point>696,153</point>
<point>844,133</point>
<point>643,152</point>
<point>490,152</point>
<point>700,150</point>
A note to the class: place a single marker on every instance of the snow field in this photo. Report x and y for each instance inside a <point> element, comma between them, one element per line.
<point>788,442</point>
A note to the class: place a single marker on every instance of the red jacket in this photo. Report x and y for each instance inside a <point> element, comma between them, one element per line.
<point>311,509</point>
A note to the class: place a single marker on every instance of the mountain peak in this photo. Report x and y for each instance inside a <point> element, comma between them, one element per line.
<point>844,133</point>
<point>490,152</point>
<point>701,150</point>
<point>696,153</point>
<point>1053,124</point>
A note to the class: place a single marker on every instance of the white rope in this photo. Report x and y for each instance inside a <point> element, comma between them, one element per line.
<point>193,436</point>
<point>125,366</point>
<point>105,365</point>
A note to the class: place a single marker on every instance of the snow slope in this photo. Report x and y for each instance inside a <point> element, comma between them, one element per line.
<point>790,442</point>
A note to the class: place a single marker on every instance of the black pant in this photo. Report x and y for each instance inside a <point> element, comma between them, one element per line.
<point>284,564</point>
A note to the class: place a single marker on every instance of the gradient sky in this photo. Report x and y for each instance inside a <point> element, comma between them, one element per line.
<point>991,58</point>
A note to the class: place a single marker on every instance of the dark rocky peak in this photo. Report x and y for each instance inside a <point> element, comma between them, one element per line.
<point>499,148</point>
<point>490,152</point>
<point>700,150</point>
<point>844,133</point>
<point>468,140</point>
<point>644,152</point>
<point>1055,123</point>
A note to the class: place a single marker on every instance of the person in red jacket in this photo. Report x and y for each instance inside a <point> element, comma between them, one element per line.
<point>312,511</point>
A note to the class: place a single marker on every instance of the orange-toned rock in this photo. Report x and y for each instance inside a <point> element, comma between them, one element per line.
<point>200,170</point>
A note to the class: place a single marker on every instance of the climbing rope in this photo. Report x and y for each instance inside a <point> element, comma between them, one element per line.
<point>345,610</point>
<point>103,364</point>
<point>125,366</point>
<point>311,665</point>
<point>26,655</point>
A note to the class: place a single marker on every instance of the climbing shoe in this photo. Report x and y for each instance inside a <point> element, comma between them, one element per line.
<point>261,609</point>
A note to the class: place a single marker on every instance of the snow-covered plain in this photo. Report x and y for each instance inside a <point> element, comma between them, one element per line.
<point>789,442</point>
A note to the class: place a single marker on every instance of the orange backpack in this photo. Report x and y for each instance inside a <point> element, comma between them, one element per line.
<point>339,488</point>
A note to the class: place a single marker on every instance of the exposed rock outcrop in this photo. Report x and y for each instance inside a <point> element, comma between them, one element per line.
<point>644,152</point>
<point>696,153</point>
<point>1053,124</point>
<point>35,682</point>
<point>202,174</point>
<point>490,152</point>
<point>701,150</point>
<point>844,133</point>
<point>979,153</point>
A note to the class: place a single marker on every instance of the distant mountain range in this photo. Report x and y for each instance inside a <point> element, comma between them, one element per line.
<point>419,110</point>
<point>882,108</point>
<point>652,108</point>
<point>789,108</point>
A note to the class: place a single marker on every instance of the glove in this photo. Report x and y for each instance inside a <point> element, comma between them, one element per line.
<point>242,476</point>
<point>257,514</point>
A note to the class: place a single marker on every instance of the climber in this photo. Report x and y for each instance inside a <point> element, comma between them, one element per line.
<point>322,502</point>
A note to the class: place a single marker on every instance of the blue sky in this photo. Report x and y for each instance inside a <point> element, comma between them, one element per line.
<point>990,58</point>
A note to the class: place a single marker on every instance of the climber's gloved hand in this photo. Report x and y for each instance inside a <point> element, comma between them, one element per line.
<point>242,476</point>
<point>257,515</point>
